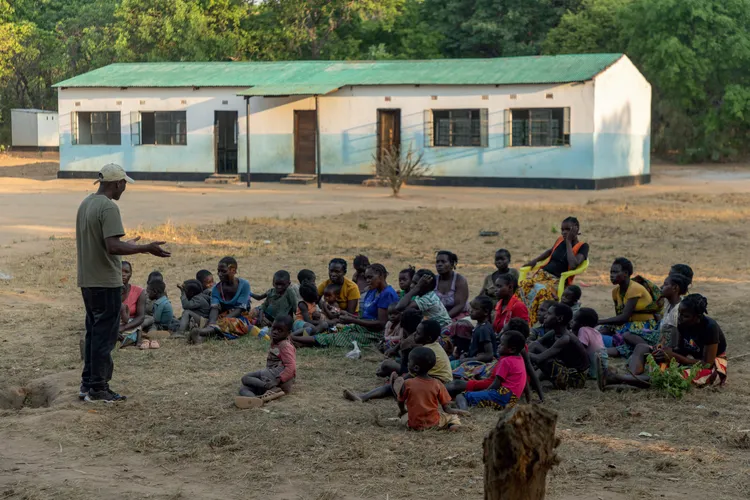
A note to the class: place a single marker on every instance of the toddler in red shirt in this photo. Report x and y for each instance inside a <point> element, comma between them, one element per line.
<point>508,377</point>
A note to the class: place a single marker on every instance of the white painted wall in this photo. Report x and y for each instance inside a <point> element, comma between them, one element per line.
<point>196,156</point>
<point>34,128</point>
<point>23,125</point>
<point>622,121</point>
<point>348,128</point>
<point>348,120</point>
<point>48,134</point>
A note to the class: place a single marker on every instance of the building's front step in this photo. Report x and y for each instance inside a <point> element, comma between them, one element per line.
<point>299,179</point>
<point>222,179</point>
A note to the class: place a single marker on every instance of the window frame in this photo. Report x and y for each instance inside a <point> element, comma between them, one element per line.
<point>563,127</point>
<point>112,130</point>
<point>175,118</point>
<point>431,132</point>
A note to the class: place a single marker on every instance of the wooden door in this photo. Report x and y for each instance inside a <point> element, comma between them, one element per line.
<point>305,123</point>
<point>225,141</point>
<point>389,131</point>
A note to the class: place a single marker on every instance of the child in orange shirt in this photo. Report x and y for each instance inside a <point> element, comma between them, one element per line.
<point>423,395</point>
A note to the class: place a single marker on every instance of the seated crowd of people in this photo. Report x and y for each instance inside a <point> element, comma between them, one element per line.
<point>442,349</point>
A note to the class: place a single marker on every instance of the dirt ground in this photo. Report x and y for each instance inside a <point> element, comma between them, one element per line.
<point>179,435</point>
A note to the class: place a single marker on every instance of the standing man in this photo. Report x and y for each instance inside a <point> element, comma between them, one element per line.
<point>98,232</point>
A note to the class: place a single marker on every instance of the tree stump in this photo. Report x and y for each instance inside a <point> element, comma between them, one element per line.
<point>519,452</point>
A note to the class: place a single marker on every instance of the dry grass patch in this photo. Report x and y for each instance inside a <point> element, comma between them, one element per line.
<point>314,444</point>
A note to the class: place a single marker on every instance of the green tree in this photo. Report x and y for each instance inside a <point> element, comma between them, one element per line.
<point>409,36</point>
<point>180,30</point>
<point>495,28</point>
<point>696,53</point>
<point>318,29</point>
<point>595,27</point>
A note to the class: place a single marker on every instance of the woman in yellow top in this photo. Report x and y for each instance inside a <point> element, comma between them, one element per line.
<point>349,295</point>
<point>634,323</point>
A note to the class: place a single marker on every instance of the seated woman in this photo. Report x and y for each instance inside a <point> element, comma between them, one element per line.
<point>565,255</point>
<point>229,299</point>
<point>451,287</point>
<point>699,341</point>
<point>134,297</point>
<point>502,261</point>
<point>367,328</point>
<point>348,298</point>
<point>634,322</point>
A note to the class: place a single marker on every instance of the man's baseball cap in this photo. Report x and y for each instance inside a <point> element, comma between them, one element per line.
<point>112,172</point>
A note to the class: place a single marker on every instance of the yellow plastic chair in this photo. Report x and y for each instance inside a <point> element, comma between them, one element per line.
<point>564,277</point>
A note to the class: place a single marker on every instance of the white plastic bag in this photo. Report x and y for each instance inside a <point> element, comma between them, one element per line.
<point>354,353</point>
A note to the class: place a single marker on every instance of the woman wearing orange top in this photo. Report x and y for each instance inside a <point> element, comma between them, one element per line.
<point>565,255</point>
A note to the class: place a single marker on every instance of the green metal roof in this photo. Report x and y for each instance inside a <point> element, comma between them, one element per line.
<point>289,89</point>
<point>329,74</point>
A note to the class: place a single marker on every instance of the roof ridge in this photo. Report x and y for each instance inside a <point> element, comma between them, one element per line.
<point>541,69</point>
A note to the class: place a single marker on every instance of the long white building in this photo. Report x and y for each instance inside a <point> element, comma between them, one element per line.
<point>570,121</point>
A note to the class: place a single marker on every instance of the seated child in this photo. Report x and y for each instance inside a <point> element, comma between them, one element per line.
<point>483,343</point>
<point>360,264</point>
<point>206,279</point>
<point>196,306</point>
<point>304,277</point>
<point>559,355</point>
<point>410,320</point>
<point>153,276</point>
<point>308,319</point>
<point>427,335</point>
<point>228,317</point>
<point>571,297</point>
<point>421,396</point>
<point>538,332</point>
<point>163,312</point>
<point>422,296</point>
<point>405,280</point>
<point>280,300</point>
<point>277,378</point>
<point>509,306</point>
<point>393,332</point>
<point>478,377</point>
<point>584,326</point>
<point>331,299</point>
<point>508,377</point>
<point>502,261</point>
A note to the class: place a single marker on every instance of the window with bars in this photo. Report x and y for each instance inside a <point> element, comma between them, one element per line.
<point>456,128</point>
<point>96,127</point>
<point>162,128</point>
<point>537,127</point>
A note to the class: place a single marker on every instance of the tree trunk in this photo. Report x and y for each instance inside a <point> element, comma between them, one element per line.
<point>519,452</point>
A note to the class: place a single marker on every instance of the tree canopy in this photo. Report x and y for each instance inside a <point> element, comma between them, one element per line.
<point>694,52</point>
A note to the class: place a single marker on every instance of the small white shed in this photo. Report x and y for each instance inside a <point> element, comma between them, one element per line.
<point>34,128</point>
